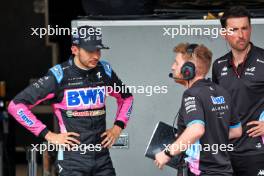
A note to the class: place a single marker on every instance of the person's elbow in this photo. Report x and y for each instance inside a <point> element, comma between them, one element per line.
<point>238,132</point>
<point>197,130</point>
<point>235,132</point>
<point>200,130</point>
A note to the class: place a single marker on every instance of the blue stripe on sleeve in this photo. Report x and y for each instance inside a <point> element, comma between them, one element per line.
<point>195,122</point>
<point>236,125</point>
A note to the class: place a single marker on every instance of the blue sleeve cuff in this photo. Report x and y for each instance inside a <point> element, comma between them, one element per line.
<point>236,125</point>
<point>195,122</point>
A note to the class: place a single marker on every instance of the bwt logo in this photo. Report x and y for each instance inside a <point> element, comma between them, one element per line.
<point>24,117</point>
<point>85,96</point>
<point>218,100</point>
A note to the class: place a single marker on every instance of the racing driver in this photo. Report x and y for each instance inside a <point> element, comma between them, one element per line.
<point>77,90</point>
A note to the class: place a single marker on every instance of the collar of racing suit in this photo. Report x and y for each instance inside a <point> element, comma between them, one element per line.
<point>78,69</point>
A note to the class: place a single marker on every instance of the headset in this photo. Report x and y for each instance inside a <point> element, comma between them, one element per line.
<point>188,68</point>
<point>188,71</point>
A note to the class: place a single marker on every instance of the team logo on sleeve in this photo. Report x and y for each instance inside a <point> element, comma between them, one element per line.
<point>24,117</point>
<point>85,97</point>
<point>190,104</point>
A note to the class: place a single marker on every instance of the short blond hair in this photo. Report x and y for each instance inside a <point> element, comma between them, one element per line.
<point>201,57</point>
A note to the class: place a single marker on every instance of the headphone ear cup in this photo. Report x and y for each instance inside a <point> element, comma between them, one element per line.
<point>188,71</point>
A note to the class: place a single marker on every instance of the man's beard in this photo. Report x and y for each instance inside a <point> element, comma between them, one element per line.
<point>236,47</point>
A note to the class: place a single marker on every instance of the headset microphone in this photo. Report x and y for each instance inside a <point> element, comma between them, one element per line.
<point>171,76</point>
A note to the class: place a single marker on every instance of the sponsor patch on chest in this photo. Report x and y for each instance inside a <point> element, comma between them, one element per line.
<point>85,97</point>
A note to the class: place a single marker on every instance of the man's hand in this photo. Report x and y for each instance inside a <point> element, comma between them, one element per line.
<point>62,138</point>
<point>110,136</point>
<point>257,129</point>
<point>161,159</point>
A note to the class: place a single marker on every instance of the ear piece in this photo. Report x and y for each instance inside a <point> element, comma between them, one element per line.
<point>188,71</point>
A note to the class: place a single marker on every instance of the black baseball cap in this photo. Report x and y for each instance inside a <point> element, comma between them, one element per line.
<point>88,38</point>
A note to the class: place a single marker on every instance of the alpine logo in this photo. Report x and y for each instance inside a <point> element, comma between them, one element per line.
<point>218,100</point>
<point>249,71</point>
<point>261,172</point>
<point>24,117</point>
<point>85,96</point>
<point>252,69</point>
<point>60,168</point>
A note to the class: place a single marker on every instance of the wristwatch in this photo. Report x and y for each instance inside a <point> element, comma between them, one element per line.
<point>167,152</point>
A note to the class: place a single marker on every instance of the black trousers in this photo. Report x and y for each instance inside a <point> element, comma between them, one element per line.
<point>248,165</point>
<point>85,165</point>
